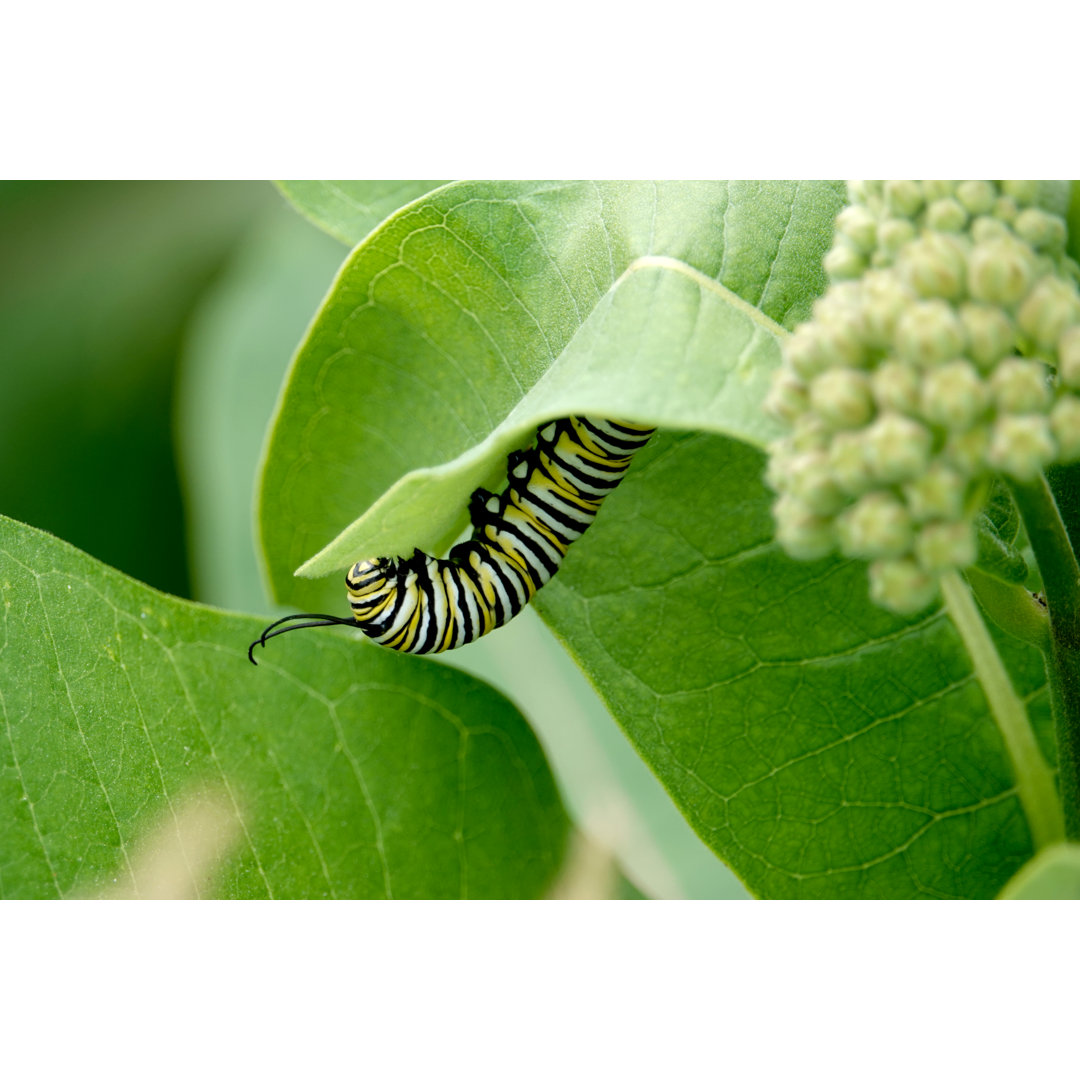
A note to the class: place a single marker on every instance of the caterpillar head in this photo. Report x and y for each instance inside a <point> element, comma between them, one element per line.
<point>370,575</point>
<point>368,582</point>
<point>369,585</point>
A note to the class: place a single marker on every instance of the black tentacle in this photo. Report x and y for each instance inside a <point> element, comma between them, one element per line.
<point>273,631</point>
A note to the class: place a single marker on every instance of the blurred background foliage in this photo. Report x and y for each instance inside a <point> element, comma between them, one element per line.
<point>145,329</point>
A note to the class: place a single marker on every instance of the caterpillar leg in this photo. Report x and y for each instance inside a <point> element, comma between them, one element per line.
<point>417,560</point>
<point>479,511</point>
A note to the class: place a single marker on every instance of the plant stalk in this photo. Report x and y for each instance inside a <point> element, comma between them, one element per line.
<point>1061,584</point>
<point>1034,779</point>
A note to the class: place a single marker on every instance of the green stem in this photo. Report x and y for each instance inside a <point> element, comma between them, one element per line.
<point>1061,585</point>
<point>1034,780</point>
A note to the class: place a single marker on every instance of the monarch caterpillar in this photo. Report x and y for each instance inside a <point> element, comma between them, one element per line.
<point>420,604</point>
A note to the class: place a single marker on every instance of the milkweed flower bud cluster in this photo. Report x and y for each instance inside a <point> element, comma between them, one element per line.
<point>945,350</point>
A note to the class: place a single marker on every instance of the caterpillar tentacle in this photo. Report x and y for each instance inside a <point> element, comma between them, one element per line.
<point>421,604</point>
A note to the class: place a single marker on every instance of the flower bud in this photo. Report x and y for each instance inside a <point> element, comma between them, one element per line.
<point>934,265</point>
<point>859,226</point>
<point>842,398</point>
<point>897,448</point>
<point>787,398</point>
<point>938,189</point>
<point>895,386</point>
<point>800,532</point>
<point>966,450</point>
<point>1043,231</point>
<point>976,196</point>
<point>1043,265</point>
<point>945,545</point>
<point>884,298</point>
<point>984,229</point>
<point>805,351</point>
<point>901,586</point>
<point>999,271</point>
<point>1021,446</point>
<point>929,333</point>
<point>843,263</point>
<point>877,526</point>
<point>810,432</point>
<point>812,483</point>
<point>953,395</point>
<point>1065,424</point>
<point>1023,192</point>
<point>1069,357</point>
<point>778,467</point>
<point>842,343</point>
<point>849,464</point>
<point>1020,386</point>
<point>841,303</point>
<point>1005,209</point>
<point>1048,311</point>
<point>946,215</point>
<point>865,191</point>
<point>990,333</point>
<point>893,234</point>
<point>938,493</point>
<point>903,197</point>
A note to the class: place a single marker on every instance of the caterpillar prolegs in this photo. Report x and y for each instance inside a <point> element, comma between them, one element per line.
<point>420,604</point>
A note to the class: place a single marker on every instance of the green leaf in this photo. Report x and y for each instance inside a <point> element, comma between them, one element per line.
<point>349,209</point>
<point>1001,514</point>
<point>611,794</point>
<point>1054,874</point>
<point>997,528</point>
<point>661,319</point>
<point>338,770</point>
<point>485,308</point>
<point>821,746</point>
<point>1012,607</point>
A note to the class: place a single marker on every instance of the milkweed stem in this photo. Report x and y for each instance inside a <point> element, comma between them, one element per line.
<point>1060,572</point>
<point>1034,780</point>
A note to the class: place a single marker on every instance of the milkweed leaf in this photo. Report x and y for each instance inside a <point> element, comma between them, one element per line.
<point>485,308</point>
<point>336,771</point>
<point>349,209</point>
